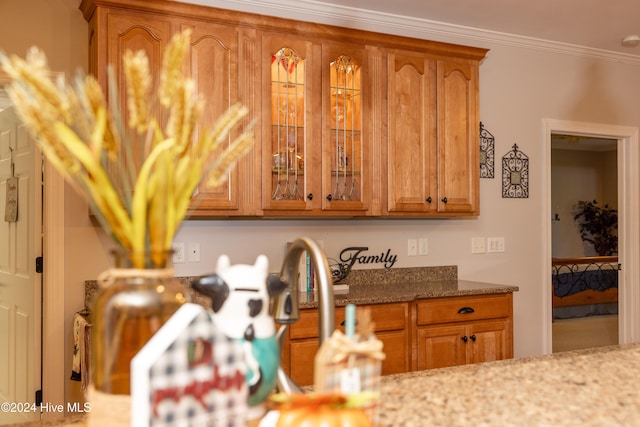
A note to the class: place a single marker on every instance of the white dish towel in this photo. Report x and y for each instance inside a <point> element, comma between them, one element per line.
<point>81,349</point>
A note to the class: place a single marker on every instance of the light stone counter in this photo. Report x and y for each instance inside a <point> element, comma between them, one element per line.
<point>596,387</point>
<point>588,388</point>
<point>377,286</point>
<point>406,291</point>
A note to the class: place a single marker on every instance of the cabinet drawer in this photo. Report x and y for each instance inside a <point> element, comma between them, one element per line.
<point>307,326</point>
<point>387,317</point>
<point>463,309</point>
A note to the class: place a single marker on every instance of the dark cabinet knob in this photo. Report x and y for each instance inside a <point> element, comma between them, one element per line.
<point>329,197</point>
<point>466,310</point>
<point>429,199</point>
<point>473,338</point>
<point>444,200</point>
<point>310,196</point>
<point>465,338</point>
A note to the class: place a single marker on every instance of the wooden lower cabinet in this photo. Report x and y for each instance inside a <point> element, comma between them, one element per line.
<point>425,334</point>
<point>460,330</point>
<point>391,327</point>
<point>439,347</point>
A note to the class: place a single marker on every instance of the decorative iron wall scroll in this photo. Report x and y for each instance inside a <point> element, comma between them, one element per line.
<point>487,153</point>
<point>515,174</point>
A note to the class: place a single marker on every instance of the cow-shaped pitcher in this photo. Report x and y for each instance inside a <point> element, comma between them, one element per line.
<point>240,296</point>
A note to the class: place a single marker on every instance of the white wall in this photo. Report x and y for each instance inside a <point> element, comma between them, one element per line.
<point>519,87</point>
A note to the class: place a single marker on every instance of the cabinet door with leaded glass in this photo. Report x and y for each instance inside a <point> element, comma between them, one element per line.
<point>346,179</point>
<point>290,161</point>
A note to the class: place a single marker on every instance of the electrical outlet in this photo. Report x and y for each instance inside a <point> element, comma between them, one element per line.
<point>178,253</point>
<point>423,248</point>
<point>412,247</point>
<point>495,244</point>
<point>193,252</point>
<point>477,245</point>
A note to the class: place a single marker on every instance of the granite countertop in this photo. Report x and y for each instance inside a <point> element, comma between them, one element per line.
<point>595,387</point>
<point>379,286</point>
<point>376,286</point>
<point>405,291</point>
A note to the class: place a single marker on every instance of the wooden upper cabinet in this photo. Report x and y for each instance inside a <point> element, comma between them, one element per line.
<point>347,122</point>
<point>411,144</point>
<point>316,143</point>
<point>129,31</point>
<point>433,143</point>
<point>221,61</point>
<point>223,74</point>
<point>346,136</point>
<point>458,137</point>
<point>111,34</point>
<point>290,127</point>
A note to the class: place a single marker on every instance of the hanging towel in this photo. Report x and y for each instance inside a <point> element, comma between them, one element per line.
<point>81,345</point>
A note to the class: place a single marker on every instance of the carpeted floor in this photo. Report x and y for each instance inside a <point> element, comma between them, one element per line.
<point>584,332</point>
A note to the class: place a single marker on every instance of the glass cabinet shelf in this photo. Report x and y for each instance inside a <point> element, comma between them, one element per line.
<point>344,130</point>
<point>285,127</point>
<point>288,147</point>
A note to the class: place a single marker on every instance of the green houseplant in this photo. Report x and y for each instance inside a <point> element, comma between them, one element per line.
<point>598,226</point>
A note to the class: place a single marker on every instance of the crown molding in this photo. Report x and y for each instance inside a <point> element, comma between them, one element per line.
<point>369,20</point>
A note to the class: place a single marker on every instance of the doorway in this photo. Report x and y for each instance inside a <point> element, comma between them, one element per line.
<point>584,182</point>
<point>20,282</point>
<point>626,140</point>
<point>52,295</point>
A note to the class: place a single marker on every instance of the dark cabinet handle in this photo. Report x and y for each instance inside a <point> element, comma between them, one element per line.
<point>444,200</point>
<point>310,196</point>
<point>343,323</point>
<point>465,338</point>
<point>429,199</point>
<point>466,310</point>
<point>329,197</point>
<point>473,338</point>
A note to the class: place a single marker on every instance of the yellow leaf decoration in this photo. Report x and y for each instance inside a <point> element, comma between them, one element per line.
<point>138,177</point>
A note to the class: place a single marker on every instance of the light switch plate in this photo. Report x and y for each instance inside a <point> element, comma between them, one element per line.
<point>423,248</point>
<point>477,245</point>
<point>412,247</point>
<point>178,253</point>
<point>495,244</point>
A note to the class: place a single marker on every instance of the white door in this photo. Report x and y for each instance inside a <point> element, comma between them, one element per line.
<point>20,285</point>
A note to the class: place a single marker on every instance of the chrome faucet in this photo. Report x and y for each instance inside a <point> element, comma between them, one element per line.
<point>285,307</point>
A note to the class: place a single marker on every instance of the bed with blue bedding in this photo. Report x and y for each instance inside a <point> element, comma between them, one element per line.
<point>584,286</point>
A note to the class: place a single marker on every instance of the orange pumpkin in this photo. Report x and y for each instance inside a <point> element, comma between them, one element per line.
<point>320,411</point>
